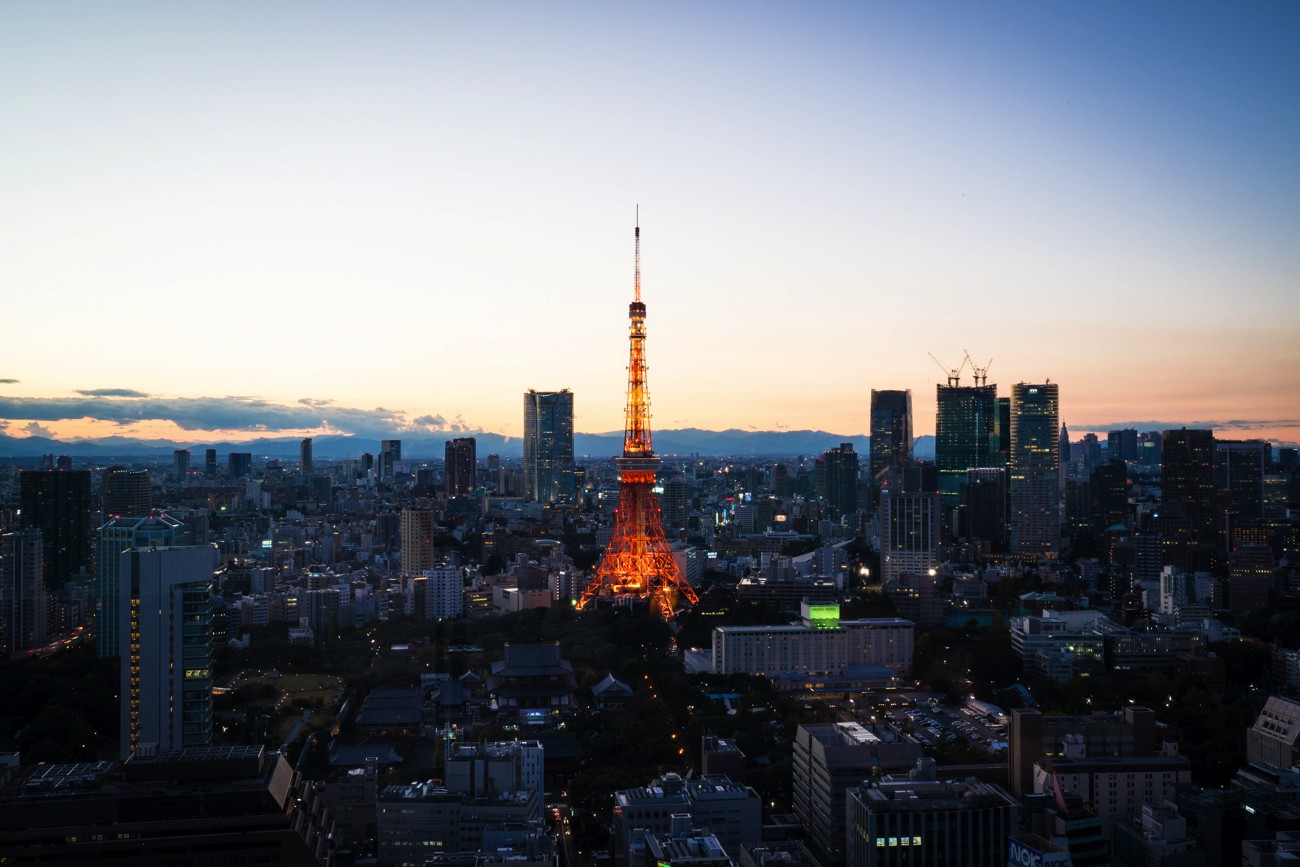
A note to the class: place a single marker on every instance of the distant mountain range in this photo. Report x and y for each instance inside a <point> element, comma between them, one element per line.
<point>687,441</point>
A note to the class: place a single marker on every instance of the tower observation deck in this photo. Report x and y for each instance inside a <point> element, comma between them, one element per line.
<point>638,561</point>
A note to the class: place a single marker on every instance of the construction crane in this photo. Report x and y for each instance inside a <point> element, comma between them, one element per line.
<point>981,373</point>
<point>954,374</point>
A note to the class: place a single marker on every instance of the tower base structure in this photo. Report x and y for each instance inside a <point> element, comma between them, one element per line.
<point>638,561</point>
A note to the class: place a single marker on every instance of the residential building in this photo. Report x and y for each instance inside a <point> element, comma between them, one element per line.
<point>58,503</point>
<point>24,601</point>
<point>839,475</point>
<point>180,464</point>
<point>390,454</point>
<point>461,463</point>
<point>1190,526</point>
<point>127,492</point>
<point>417,530</point>
<point>444,592</point>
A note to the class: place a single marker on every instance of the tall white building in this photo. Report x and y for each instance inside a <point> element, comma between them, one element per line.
<point>116,536</point>
<point>165,624</point>
<point>444,593</point>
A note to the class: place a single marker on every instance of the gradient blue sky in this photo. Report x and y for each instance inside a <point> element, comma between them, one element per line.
<point>427,208</point>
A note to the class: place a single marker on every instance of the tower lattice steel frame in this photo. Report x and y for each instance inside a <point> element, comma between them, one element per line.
<point>638,561</point>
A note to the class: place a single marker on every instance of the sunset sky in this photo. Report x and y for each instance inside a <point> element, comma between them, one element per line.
<point>244,219</point>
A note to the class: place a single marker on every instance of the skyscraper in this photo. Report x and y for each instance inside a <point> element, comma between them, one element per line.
<point>1035,468</point>
<point>241,464</point>
<point>390,453</point>
<point>1122,445</point>
<point>141,530</point>
<point>965,434</point>
<point>181,464</point>
<point>165,628</point>
<point>210,463</point>
<point>24,601</point>
<point>1239,468</point>
<point>1187,507</point>
<point>891,433</point>
<point>305,462</point>
<point>58,503</point>
<point>548,446</point>
<point>840,479</point>
<point>127,492</point>
<point>461,466</point>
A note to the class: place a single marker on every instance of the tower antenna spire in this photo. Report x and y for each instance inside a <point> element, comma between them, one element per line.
<point>638,253</point>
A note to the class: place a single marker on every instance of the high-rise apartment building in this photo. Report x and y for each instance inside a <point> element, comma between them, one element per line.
<point>1122,445</point>
<point>1187,509</point>
<point>1239,468</point>
<point>418,527</point>
<point>240,464</point>
<point>127,492</point>
<point>165,627</point>
<point>983,513</point>
<point>117,535</point>
<point>444,593</point>
<point>909,534</point>
<point>1034,470</point>
<point>390,453</point>
<point>58,503</point>
<point>891,433</point>
<point>305,462</point>
<point>180,464</point>
<point>965,434</point>
<point>24,601</point>
<point>210,463</point>
<point>461,466</point>
<point>548,446</point>
<point>839,473</point>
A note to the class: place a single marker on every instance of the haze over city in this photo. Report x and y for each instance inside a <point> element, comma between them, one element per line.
<point>244,221</point>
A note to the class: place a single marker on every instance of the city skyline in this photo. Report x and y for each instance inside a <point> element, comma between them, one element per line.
<point>303,199</point>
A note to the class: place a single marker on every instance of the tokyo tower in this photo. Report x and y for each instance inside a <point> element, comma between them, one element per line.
<point>638,561</point>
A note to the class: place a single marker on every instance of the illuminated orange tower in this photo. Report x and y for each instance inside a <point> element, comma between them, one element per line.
<point>638,561</point>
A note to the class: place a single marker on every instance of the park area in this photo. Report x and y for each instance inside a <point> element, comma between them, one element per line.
<point>280,698</point>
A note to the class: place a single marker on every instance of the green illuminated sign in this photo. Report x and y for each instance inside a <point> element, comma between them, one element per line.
<point>824,616</point>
